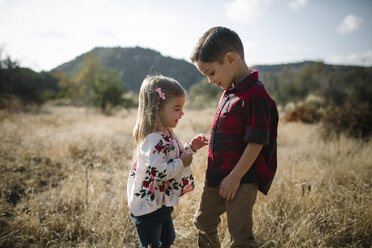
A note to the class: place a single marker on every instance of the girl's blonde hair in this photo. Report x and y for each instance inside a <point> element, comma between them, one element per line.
<point>151,102</point>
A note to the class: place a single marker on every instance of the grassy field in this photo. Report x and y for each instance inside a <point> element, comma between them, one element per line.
<point>64,171</point>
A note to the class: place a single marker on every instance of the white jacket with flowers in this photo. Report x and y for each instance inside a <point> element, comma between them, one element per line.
<point>157,176</point>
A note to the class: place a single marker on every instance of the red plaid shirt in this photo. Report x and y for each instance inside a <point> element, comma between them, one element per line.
<point>246,114</point>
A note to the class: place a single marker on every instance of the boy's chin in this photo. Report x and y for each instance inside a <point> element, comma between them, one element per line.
<point>226,87</point>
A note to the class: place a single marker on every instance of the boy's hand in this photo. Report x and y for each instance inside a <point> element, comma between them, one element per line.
<point>186,158</point>
<point>229,186</point>
<point>198,142</point>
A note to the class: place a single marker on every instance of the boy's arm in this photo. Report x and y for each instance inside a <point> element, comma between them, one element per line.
<point>231,182</point>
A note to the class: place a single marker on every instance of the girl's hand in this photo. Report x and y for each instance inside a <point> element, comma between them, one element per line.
<point>198,142</point>
<point>186,158</point>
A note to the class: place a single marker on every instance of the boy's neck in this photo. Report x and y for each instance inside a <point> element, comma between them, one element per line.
<point>242,72</point>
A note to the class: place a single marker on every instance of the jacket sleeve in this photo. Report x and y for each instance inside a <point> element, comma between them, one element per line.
<point>154,150</point>
<point>258,122</point>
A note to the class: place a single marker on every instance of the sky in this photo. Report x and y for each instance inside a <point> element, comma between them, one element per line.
<point>42,34</point>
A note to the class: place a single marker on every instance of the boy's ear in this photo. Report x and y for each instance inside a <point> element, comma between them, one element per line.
<point>230,57</point>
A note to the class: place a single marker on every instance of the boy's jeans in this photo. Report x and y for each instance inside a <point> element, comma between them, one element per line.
<point>239,217</point>
<point>155,229</point>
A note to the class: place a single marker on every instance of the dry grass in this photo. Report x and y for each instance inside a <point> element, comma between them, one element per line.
<point>64,171</point>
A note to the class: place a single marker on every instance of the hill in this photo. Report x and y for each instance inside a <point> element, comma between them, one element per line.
<point>133,64</point>
<point>276,69</point>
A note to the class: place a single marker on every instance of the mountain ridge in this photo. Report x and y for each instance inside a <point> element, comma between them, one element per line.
<point>134,63</point>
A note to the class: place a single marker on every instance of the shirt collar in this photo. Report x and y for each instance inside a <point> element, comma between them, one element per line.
<point>246,83</point>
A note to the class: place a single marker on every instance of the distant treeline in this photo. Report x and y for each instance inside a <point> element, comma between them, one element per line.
<point>293,83</point>
<point>24,83</point>
<point>92,85</point>
<point>340,99</point>
<point>339,96</point>
<point>335,85</point>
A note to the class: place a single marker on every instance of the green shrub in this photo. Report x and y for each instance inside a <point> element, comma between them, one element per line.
<point>353,119</point>
<point>304,113</point>
<point>203,95</point>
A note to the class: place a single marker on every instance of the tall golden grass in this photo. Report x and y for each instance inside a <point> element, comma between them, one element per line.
<point>64,172</point>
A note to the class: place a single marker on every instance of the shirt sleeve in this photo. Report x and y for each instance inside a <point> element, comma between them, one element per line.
<point>154,150</point>
<point>258,121</point>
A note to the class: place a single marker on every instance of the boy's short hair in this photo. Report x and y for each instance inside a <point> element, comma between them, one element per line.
<point>215,43</point>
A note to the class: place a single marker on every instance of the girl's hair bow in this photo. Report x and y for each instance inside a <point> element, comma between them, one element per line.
<point>161,94</point>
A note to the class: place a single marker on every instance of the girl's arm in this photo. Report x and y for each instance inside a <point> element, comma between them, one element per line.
<point>154,150</point>
<point>198,142</point>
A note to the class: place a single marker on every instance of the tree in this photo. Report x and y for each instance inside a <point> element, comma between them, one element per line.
<point>66,84</point>
<point>203,94</point>
<point>93,84</point>
<point>107,90</point>
<point>22,83</point>
<point>271,83</point>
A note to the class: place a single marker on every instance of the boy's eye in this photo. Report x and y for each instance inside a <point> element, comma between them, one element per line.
<point>212,73</point>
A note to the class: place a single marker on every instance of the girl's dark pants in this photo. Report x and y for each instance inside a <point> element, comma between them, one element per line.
<point>155,229</point>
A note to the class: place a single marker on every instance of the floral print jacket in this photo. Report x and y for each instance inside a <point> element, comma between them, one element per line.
<point>157,176</point>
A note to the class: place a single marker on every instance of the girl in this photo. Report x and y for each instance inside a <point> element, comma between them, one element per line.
<point>161,171</point>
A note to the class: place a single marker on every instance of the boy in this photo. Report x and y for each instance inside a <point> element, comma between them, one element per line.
<point>242,151</point>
